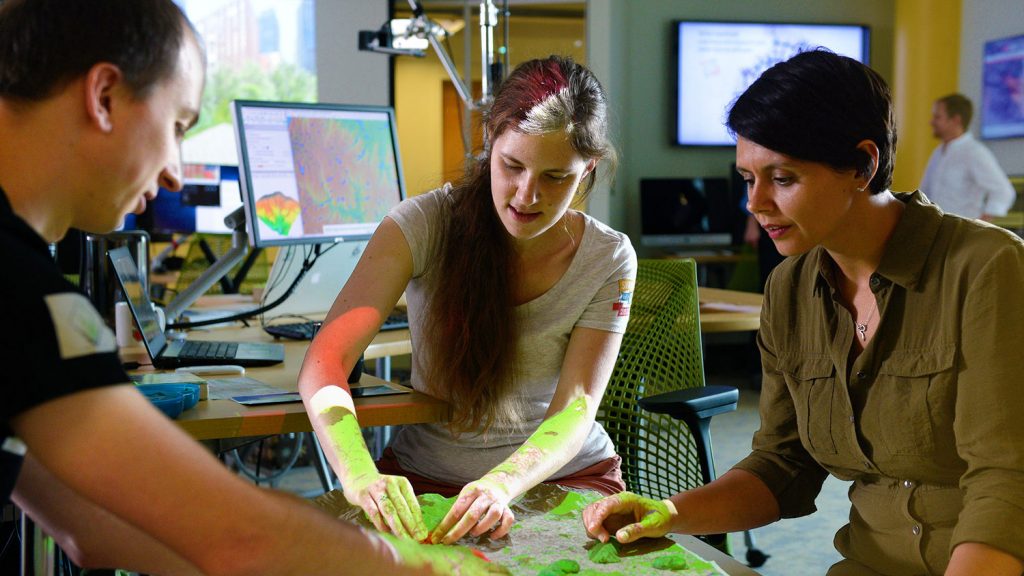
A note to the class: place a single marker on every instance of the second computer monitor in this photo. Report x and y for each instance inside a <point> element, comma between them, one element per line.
<point>687,212</point>
<point>315,173</point>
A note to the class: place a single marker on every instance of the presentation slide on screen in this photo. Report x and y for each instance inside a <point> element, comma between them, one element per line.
<point>718,61</point>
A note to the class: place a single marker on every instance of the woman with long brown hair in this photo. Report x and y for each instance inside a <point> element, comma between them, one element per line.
<point>517,304</point>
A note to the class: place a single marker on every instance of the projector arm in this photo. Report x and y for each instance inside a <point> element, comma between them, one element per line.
<point>213,274</point>
<point>420,26</point>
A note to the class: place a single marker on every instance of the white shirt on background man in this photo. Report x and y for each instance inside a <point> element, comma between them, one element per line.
<point>964,178</point>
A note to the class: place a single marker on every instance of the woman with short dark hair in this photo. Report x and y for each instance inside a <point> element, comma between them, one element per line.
<point>889,343</point>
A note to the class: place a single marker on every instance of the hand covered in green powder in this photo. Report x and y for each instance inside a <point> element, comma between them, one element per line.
<point>442,560</point>
<point>629,516</point>
<point>481,505</point>
<point>389,502</point>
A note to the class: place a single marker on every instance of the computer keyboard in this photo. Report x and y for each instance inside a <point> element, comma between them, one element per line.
<point>293,330</point>
<point>209,350</point>
<point>397,320</point>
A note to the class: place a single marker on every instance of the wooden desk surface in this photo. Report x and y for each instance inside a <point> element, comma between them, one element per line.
<point>220,419</point>
<point>721,311</point>
<point>729,310</point>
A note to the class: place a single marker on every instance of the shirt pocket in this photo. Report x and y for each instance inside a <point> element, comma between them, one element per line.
<point>900,398</point>
<point>811,381</point>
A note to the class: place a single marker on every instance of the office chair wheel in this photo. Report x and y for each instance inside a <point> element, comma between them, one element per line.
<point>756,558</point>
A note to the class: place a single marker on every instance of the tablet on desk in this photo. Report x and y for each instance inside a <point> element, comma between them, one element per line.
<point>382,390</point>
<point>282,397</point>
<point>275,398</point>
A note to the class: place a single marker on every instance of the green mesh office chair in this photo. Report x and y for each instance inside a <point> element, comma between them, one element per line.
<point>657,409</point>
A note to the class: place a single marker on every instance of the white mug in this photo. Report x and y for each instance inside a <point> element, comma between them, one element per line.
<point>124,327</point>
<point>128,335</point>
<point>161,317</point>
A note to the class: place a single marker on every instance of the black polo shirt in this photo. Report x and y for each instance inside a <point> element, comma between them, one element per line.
<point>53,342</point>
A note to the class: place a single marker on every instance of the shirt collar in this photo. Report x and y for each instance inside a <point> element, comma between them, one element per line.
<point>911,241</point>
<point>907,249</point>
<point>12,222</point>
<point>959,140</point>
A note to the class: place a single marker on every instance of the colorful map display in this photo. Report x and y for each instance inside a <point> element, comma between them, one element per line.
<point>278,212</point>
<point>345,171</point>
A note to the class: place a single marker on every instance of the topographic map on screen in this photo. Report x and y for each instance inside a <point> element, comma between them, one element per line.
<point>345,171</point>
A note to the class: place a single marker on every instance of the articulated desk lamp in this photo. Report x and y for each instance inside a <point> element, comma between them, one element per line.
<point>411,37</point>
<point>239,246</point>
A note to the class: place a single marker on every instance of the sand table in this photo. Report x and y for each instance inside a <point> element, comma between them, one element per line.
<point>548,538</point>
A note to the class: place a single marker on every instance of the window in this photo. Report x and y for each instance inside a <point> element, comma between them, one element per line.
<point>256,50</point>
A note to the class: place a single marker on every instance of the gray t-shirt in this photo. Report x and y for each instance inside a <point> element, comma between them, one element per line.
<point>587,296</point>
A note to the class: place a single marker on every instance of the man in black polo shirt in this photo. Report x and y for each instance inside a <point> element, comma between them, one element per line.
<point>95,98</point>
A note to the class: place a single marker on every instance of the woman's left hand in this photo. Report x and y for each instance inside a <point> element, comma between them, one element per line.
<point>481,505</point>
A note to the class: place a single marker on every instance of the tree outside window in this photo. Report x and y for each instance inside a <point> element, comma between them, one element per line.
<point>256,50</point>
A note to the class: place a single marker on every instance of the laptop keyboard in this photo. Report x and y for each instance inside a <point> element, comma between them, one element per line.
<point>397,320</point>
<point>208,350</point>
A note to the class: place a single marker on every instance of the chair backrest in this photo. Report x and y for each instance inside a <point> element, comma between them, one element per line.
<point>660,352</point>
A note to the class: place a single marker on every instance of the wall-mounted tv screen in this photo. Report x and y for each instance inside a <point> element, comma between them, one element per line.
<point>1002,88</point>
<point>717,61</point>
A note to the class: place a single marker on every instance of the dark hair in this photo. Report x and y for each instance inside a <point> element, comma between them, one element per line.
<point>817,106</point>
<point>45,44</point>
<point>958,105</point>
<point>470,320</point>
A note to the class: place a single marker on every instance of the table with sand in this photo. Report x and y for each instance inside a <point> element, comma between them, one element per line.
<point>548,528</point>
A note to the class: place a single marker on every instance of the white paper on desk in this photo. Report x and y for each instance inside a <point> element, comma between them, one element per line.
<point>225,388</point>
<point>726,307</point>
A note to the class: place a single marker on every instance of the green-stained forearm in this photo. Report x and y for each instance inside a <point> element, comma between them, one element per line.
<point>453,560</point>
<point>545,451</point>
<point>346,440</point>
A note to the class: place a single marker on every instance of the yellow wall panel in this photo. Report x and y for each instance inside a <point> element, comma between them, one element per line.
<point>927,56</point>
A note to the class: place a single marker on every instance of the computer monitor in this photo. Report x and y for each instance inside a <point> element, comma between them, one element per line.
<point>316,173</point>
<point>687,212</point>
<point>209,193</point>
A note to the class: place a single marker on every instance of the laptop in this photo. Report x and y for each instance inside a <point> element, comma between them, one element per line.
<point>318,289</point>
<point>176,353</point>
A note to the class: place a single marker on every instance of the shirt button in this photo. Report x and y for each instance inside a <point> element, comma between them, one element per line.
<point>867,464</point>
<point>908,483</point>
<point>852,419</point>
<point>862,374</point>
<point>916,529</point>
<point>874,281</point>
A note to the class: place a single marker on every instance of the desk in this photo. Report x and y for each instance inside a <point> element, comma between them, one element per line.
<point>729,310</point>
<point>721,311</point>
<point>222,419</point>
<point>718,260</point>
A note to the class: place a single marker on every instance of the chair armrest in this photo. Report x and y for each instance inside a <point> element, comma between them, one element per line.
<point>703,402</point>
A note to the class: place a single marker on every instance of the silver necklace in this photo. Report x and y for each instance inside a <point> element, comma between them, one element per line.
<point>862,329</point>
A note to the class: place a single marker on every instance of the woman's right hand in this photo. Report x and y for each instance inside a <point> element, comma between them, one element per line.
<point>389,502</point>
<point>629,517</point>
<point>440,560</point>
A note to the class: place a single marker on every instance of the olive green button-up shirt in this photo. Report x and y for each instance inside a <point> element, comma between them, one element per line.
<point>928,421</point>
